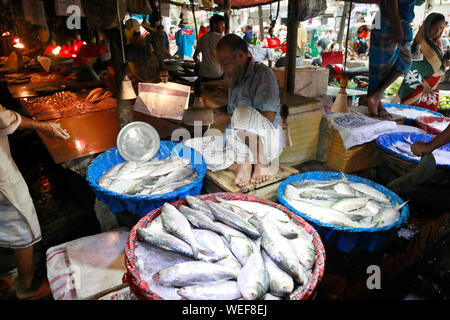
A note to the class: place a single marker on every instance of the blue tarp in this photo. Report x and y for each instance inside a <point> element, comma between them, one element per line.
<point>141,205</point>
<point>344,238</point>
<point>385,142</point>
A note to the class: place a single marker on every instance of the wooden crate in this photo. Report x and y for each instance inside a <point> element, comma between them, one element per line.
<point>223,181</point>
<point>354,159</point>
<point>304,120</point>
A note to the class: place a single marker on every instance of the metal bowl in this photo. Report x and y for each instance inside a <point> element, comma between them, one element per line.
<point>138,141</point>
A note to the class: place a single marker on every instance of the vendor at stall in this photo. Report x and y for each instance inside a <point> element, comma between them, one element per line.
<point>390,50</point>
<point>208,68</point>
<point>19,225</point>
<point>184,39</point>
<point>420,147</point>
<point>252,85</point>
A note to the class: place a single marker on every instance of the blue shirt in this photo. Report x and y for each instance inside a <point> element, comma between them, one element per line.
<point>185,42</point>
<point>258,88</point>
<point>405,8</point>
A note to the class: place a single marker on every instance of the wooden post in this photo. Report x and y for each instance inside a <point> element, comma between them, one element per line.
<point>227,12</point>
<point>261,23</point>
<point>344,14</point>
<point>291,51</point>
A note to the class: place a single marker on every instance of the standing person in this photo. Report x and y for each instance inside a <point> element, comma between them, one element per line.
<point>248,33</point>
<point>390,50</point>
<point>270,33</point>
<point>19,225</point>
<point>419,86</point>
<point>261,54</point>
<point>209,69</point>
<point>185,39</point>
<point>302,40</point>
<point>252,85</point>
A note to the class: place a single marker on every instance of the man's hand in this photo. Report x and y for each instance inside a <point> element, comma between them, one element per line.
<point>420,147</point>
<point>221,117</point>
<point>397,36</point>
<point>426,88</point>
<point>51,130</point>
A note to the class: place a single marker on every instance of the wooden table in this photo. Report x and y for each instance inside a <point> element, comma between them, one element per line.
<point>28,90</point>
<point>96,132</point>
<point>223,181</point>
<point>90,133</point>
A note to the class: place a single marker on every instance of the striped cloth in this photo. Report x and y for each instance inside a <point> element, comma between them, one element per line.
<point>15,231</point>
<point>385,56</point>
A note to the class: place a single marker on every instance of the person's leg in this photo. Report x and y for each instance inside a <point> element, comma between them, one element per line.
<point>25,268</point>
<point>374,98</point>
<point>262,168</point>
<point>243,173</point>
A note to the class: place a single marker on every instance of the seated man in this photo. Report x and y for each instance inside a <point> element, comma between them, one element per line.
<point>208,67</point>
<point>253,101</point>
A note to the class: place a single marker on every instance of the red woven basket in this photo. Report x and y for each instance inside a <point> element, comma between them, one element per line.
<point>424,123</point>
<point>141,288</point>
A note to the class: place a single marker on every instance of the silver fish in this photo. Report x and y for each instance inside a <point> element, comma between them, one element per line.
<point>370,191</point>
<point>192,273</point>
<point>253,279</point>
<point>166,241</point>
<point>201,220</point>
<point>269,296</point>
<point>280,250</point>
<point>171,164</point>
<point>198,204</point>
<point>304,250</point>
<point>230,218</point>
<point>280,283</point>
<point>350,204</point>
<point>211,244</point>
<point>239,244</point>
<point>230,260</point>
<point>260,210</point>
<point>324,214</point>
<point>218,290</point>
<point>177,224</point>
<point>343,188</point>
<point>171,187</point>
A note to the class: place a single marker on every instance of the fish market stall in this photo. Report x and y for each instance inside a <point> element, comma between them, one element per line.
<point>433,125</point>
<point>283,262</point>
<point>396,151</point>
<point>409,112</point>
<point>350,213</point>
<point>141,187</point>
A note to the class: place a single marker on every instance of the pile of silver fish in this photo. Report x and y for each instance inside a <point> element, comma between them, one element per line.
<point>149,178</point>
<point>342,203</point>
<point>238,250</point>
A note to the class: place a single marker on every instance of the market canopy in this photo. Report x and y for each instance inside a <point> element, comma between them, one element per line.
<point>237,4</point>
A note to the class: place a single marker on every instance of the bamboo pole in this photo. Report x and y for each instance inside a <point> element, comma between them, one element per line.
<point>291,51</point>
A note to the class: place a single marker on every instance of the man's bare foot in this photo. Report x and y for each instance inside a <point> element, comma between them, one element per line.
<point>243,173</point>
<point>373,101</point>
<point>382,113</point>
<point>262,173</point>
